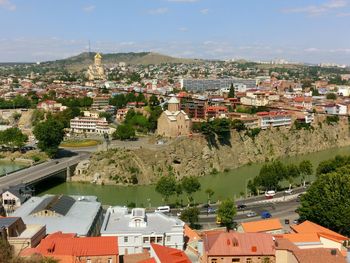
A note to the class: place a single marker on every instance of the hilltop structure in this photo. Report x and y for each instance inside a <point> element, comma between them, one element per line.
<point>174,122</point>
<point>96,71</point>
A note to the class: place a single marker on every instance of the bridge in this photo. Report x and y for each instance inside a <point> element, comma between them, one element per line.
<point>34,174</point>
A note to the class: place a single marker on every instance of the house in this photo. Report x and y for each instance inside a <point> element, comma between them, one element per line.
<point>14,197</point>
<point>287,252</point>
<point>216,112</point>
<point>51,105</point>
<point>312,235</point>
<point>258,98</point>
<point>174,122</point>
<point>20,235</point>
<point>271,226</point>
<point>137,230</point>
<point>274,119</point>
<point>228,247</point>
<point>302,103</point>
<point>121,114</point>
<point>70,214</point>
<point>336,109</point>
<point>68,248</point>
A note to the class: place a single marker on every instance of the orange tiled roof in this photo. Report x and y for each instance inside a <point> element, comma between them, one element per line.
<point>59,244</point>
<point>149,260</point>
<point>310,227</point>
<point>170,255</point>
<point>301,238</point>
<point>191,234</point>
<point>262,225</point>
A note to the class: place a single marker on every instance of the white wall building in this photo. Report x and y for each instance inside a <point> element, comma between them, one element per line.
<point>90,125</point>
<point>137,230</point>
<point>274,119</point>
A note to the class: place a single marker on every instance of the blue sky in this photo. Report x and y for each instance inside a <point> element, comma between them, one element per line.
<point>297,30</point>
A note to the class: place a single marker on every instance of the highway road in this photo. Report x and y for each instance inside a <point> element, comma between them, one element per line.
<point>36,172</point>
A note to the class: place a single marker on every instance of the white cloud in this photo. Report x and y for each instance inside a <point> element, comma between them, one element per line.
<point>89,8</point>
<point>343,14</point>
<point>158,11</point>
<point>314,10</point>
<point>7,4</point>
<point>204,11</point>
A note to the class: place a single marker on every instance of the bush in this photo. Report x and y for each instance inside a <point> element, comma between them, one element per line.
<point>124,132</point>
<point>333,119</point>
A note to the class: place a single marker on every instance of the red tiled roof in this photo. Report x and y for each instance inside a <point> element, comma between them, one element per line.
<point>191,234</point>
<point>216,108</point>
<point>59,244</point>
<point>302,99</point>
<point>170,255</point>
<point>273,113</point>
<point>239,244</point>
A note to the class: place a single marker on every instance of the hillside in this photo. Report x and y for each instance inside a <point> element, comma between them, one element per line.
<point>83,60</point>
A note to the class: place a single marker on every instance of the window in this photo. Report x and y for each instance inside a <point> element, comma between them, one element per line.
<point>159,239</point>
<point>145,239</point>
<point>153,239</point>
<point>266,260</point>
<point>88,260</point>
<point>110,260</point>
<point>248,260</point>
<point>125,239</point>
<point>236,260</point>
<point>213,260</point>
<point>168,238</point>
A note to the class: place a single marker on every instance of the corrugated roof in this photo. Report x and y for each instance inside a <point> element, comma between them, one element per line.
<point>8,221</point>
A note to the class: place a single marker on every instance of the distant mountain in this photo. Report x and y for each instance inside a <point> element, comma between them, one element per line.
<point>85,59</point>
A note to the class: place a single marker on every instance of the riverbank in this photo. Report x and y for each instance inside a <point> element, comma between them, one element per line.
<point>195,157</point>
<point>225,184</point>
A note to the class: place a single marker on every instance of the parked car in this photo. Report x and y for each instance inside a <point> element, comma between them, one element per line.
<point>163,209</point>
<point>251,214</point>
<point>289,191</point>
<point>241,206</point>
<point>265,215</point>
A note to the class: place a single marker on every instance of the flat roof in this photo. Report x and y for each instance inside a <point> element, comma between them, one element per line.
<point>78,219</point>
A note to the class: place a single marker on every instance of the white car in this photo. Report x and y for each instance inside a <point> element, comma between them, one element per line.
<point>289,191</point>
<point>251,214</point>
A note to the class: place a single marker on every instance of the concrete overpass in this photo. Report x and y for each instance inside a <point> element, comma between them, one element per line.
<point>37,173</point>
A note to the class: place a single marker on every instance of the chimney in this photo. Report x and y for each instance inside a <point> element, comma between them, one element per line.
<point>254,249</point>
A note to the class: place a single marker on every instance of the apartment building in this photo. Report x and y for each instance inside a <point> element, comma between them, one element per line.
<point>274,119</point>
<point>90,125</point>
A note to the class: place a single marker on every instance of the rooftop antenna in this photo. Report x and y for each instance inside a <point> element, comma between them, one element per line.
<point>89,48</point>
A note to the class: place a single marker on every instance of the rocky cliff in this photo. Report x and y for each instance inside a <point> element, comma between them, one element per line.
<point>193,156</point>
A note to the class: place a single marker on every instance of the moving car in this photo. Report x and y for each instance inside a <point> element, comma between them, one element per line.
<point>163,209</point>
<point>241,206</point>
<point>251,214</point>
<point>265,215</point>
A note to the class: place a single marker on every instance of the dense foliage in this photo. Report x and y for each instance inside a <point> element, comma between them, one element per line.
<point>226,213</point>
<point>17,102</point>
<point>124,132</point>
<point>13,138</point>
<point>191,216</point>
<point>327,201</point>
<point>49,134</point>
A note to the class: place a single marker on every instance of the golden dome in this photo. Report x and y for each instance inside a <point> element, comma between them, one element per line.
<point>98,55</point>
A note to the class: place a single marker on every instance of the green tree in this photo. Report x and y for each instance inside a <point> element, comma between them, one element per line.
<point>226,213</point>
<point>305,169</point>
<point>190,215</point>
<point>107,115</point>
<point>238,125</point>
<point>13,138</point>
<point>50,134</point>
<point>124,132</point>
<point>210,192</point>
<point>166,186</point>
<point>190,185</point>
<point>153,101</point>
<point>231,93</point>
<point>331,96</point>
<point>327,202</point>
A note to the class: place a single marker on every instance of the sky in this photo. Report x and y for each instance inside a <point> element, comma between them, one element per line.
<point>311,31</point>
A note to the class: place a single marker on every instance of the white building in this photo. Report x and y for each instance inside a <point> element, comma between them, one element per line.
<point>90,125</point>
<point>137,231</point>
<point>274,119</point>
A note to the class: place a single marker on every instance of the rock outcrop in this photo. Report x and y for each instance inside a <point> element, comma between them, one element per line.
<point>193,156</point>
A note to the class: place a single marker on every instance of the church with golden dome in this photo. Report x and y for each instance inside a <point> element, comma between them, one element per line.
<point>96,71</point>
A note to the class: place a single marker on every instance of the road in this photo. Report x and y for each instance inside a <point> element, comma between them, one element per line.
<point>36,172</point>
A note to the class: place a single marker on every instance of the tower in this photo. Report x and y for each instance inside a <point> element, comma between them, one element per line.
<point>173,104</point>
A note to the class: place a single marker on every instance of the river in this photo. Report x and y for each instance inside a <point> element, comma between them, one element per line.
<point>229,184</point>
<point>8,167</point>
